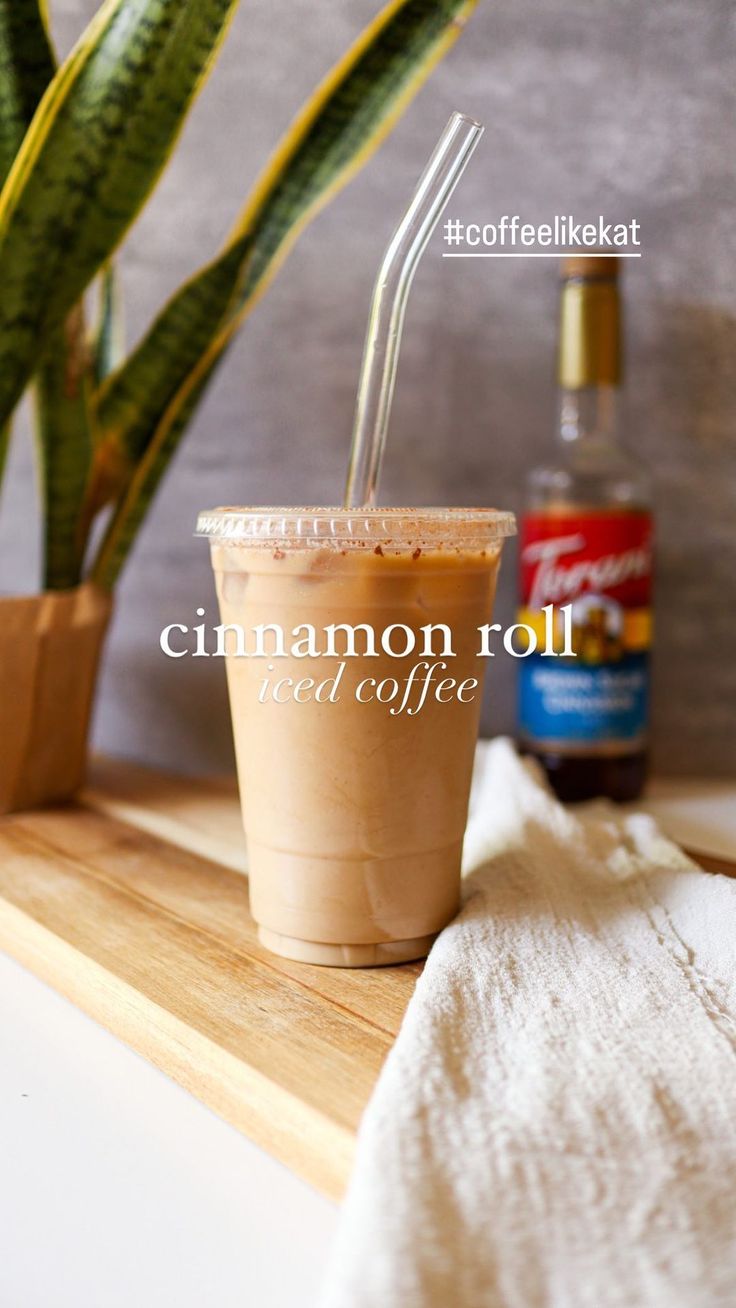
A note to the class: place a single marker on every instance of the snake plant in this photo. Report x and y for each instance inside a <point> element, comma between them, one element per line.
<point>82,144</point>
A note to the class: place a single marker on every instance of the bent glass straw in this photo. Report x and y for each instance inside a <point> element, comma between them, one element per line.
<point>388,305</point>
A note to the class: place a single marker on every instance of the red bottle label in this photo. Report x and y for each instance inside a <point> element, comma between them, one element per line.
<point>600,565</point>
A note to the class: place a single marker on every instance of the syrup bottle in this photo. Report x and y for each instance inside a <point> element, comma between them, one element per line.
<point>586,541</point>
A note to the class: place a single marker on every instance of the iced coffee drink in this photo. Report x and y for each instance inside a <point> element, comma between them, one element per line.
<point>355,688</point>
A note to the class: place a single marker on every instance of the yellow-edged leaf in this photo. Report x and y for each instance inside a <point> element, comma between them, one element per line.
<point>144,407</point>
<point>97,144</point>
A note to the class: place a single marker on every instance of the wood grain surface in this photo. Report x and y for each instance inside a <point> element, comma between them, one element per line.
<point>116,903</point>
<point>157,944</point>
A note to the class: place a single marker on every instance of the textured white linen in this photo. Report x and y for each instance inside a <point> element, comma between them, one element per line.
<point>556,1124</point>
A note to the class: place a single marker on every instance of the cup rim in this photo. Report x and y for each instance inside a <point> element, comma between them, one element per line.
<point>431,526</point>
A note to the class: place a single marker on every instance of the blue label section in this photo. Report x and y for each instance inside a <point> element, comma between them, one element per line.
<point>566,700</point>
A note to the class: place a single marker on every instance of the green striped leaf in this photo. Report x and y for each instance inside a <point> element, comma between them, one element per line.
<point>131,404</point>
<point>109,343</point>
<point>113,465</point>
<point>145,405</point>
<point>95,149</point>
<point>63,432</point>
<point>62,391</point>
<point>141,488</point>
<point>341,125</point>
<point>107,347</point>
<point>26,68</point>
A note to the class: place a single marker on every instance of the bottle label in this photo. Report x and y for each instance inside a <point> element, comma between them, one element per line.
<point>600,565</point>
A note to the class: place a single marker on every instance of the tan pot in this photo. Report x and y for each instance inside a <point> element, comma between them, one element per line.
<point>50,648</point>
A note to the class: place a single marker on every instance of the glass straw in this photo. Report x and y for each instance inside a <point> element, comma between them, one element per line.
<point>388,306</point>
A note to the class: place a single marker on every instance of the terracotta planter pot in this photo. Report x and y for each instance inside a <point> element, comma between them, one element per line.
<point>50,647</point>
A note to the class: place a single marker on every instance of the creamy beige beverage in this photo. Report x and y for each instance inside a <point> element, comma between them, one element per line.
<point>354,743</point>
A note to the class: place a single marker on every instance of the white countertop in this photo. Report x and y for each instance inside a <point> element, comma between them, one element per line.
<point>118,1189</point>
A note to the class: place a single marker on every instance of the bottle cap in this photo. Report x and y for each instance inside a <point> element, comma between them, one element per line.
<point>590,267</point>
<point>590,344</point>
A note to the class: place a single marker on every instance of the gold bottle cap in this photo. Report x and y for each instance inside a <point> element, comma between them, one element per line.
<point>589,267</point>
<point>590,348</point>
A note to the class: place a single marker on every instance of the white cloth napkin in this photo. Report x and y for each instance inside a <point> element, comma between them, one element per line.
<point>556,1124</point>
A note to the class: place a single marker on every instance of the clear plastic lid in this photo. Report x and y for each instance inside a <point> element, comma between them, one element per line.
<point>356,528</point>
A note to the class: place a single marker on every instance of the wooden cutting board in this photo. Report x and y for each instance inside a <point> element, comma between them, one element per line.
<point>132,903</point>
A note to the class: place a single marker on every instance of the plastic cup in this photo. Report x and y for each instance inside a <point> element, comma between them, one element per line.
<point>354,793</point>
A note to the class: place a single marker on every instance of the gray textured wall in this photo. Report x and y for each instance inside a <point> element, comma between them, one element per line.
<point>622,108</point>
